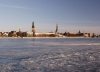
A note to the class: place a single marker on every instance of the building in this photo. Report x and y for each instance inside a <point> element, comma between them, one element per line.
<point>12,34</point>
<point>73,33</point>
<point>89,34</point>
<point>0,33</point>
<point>79,34</point>
<point>33,28</point>
<point>56,32</point>
<point>92,34</point>
<point>29,34</point>
<point>45,34</point>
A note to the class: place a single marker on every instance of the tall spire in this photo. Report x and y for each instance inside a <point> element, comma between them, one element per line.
<point>33,25</point>
<point>33,28</point>
<point>56,28</point>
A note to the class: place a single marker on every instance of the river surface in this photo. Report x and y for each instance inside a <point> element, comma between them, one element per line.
<point>50,55</point>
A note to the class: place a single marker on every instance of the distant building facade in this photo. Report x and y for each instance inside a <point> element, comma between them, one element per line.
<point>45,34</point>
<point>0,33</point>
<point>89,35</point>
<point>12,34</point>
<point>29,34</point>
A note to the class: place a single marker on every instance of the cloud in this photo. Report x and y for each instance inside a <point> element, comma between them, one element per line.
<point>12,6</point>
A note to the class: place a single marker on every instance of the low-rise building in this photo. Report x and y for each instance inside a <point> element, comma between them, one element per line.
<point>29,34</point>
<point>86,34</point>
<point>0,33</point>
<point>72,33</point>
<point>12,34</point>
<point>92,34</point>
<point>45,34</point>
<point>5,34</point>
<point>89,34</point>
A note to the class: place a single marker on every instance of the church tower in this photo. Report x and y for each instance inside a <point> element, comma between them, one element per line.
<point>33,28</point>
<point>56,32</point>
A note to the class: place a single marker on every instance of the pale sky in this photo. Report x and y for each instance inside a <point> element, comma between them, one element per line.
<point>71,15</point>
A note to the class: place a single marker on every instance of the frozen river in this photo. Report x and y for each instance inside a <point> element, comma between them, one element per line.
<point>50,55</point>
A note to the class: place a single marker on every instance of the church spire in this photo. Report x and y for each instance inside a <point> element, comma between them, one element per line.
<point>33,28</point>
<point>56,28</point>
<point>33,25</point>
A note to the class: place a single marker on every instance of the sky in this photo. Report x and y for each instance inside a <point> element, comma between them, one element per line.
<point>70,15</point>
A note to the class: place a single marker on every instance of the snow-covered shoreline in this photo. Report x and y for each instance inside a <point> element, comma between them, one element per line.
<point>45,37</point>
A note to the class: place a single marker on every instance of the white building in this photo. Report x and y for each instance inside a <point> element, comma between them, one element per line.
<point>29,34</point>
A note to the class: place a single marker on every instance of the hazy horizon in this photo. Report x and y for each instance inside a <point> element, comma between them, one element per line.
<point>71,15</point>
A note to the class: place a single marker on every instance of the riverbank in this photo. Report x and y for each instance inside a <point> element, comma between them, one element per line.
<point>43,37</point>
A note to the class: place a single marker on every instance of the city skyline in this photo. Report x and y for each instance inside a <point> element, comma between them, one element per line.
<point>71,15</point>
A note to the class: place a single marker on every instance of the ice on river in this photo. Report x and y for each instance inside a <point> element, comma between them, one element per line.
<point>50,55</point>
